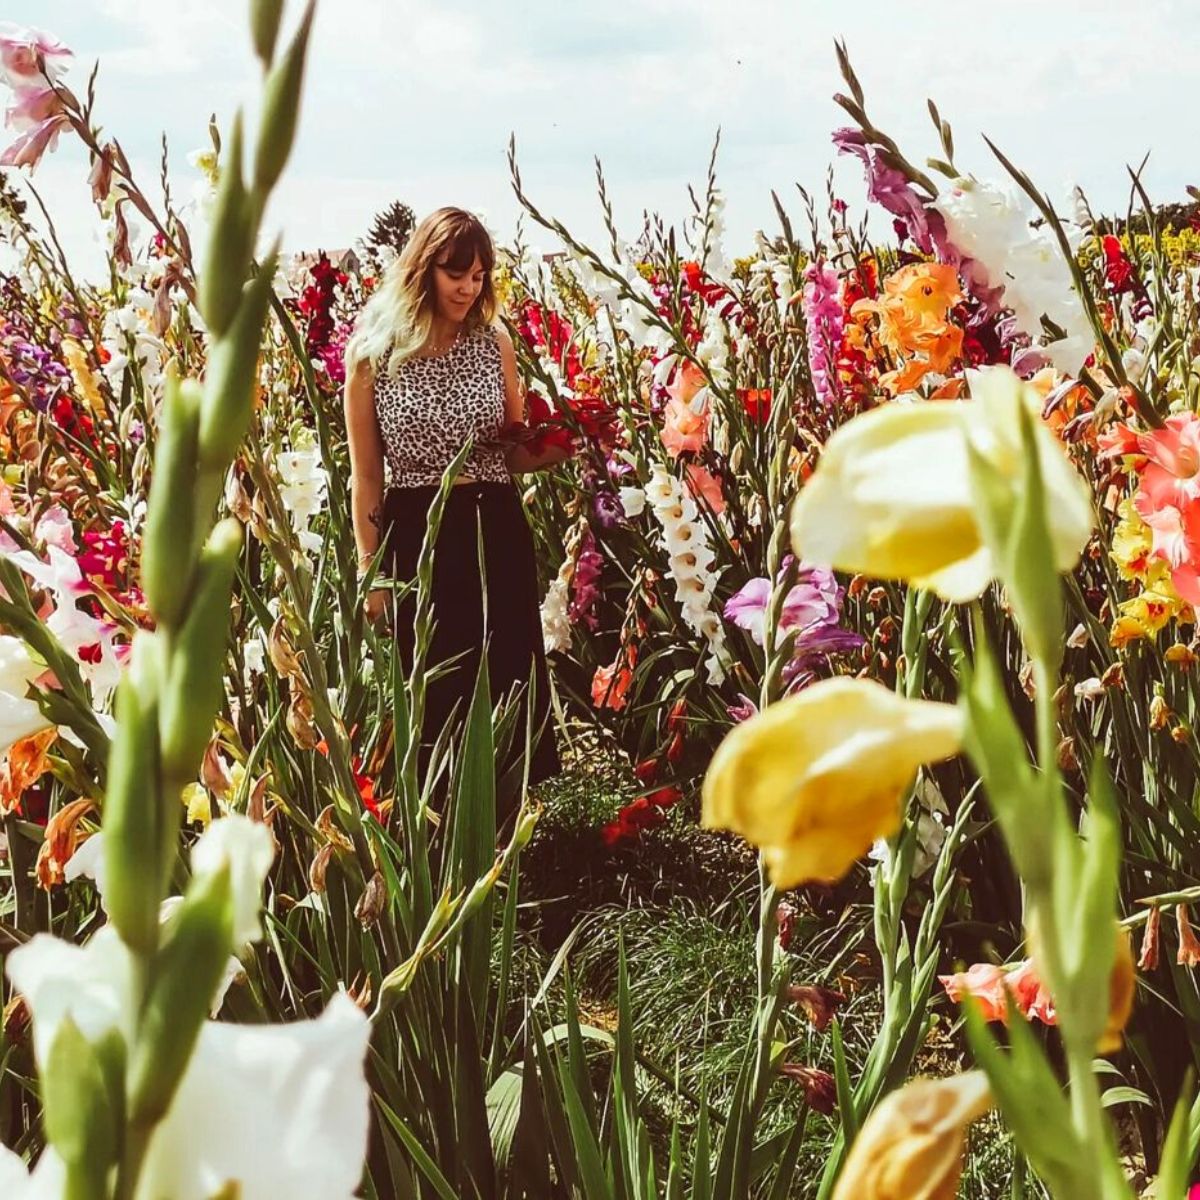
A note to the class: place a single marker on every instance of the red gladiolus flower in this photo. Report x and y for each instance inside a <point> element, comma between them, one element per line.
<point>757,403</point>
<point>646,770</point>
<point>664,797</point>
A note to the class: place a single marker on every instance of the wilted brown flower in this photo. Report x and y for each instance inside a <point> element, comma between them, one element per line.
<point>820,1089</point>
<point>1189,948</point>
<point>300,721</point>
<point>283,658</point>
<point>1148,959</point>
<point>371,903</point>
<point>819,1003</point>
<point>318,867</point>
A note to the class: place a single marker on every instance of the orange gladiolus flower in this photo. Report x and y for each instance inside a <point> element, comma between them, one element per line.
<point>24,764</point>
<point>60,842</point>
<point>611,684</point>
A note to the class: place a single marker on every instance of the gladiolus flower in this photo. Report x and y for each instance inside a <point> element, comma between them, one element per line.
<point>815,779</point>
<point>28,149</point>
<point>28,54</point>
<point>704,485</point>
<point>1172,472</point>
<point>22,766</point>
<point>820,1004</point>
<point>912,1143</point>
<point>874,506</point>
<point>611,684</point>
<point>1148,959</point>
<point>984,982</point>
<point>820,1089</point>
<point>684,431</point>
<point>19,718</point>
<point>1189,948</point>
<point>60,841</point>
<point>757,403</point>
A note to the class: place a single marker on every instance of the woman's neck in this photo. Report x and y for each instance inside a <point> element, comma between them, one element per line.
<point>443,330</point>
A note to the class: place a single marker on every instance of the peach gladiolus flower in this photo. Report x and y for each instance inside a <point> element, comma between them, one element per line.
<point>1172,474</point>
<point>686,382</point>
<point>911,1145</point>
<point>683,429</point>
<point>704,485</point>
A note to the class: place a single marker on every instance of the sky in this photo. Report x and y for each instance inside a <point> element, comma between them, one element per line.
<point>417,101</point>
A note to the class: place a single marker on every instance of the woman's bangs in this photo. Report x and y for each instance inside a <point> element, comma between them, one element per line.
<point>463,245</point>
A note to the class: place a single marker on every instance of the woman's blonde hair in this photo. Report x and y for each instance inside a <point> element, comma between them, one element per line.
<point>394,323</point>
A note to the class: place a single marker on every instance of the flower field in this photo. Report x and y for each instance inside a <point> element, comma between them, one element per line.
<point>869,599</point>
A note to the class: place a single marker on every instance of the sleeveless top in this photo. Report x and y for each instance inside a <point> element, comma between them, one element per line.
<point>431,406</point>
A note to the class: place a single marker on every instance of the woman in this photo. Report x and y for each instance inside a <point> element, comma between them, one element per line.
<point>427,370</point>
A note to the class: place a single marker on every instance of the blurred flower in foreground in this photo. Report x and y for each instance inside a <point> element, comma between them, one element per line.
<point>874,505</point>
<point>814,779</point>
<point>912,1144</point>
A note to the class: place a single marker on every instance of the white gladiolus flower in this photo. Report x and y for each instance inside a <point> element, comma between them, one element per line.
<point>277,1110</point>
<point>633,501</point>
<point>991,224</point>
<point>556,626</point>
<point>246,847</point>
<point>19,717</point>
<point>45,1183</point>
<point>92,984</point>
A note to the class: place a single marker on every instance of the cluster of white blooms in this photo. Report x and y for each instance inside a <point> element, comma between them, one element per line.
<point>991,224</point>
<point>630,315</point>
<point>556,621</point>
<point>713,349</point>
<point>771,268</point>
<point>128,338</point>
<point>302,486</point>
<point>715,264</point>
<point>690,562</point>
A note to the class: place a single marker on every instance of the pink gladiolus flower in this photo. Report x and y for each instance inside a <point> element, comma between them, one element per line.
<point>32,107</point>
<point>984,981</point>
<point>704,485</point>
<point>988,984</point>
<point>824,318</point>
<point>1194,1192</point>
<point>25,54</point>
<point>1175,538</point>
<point>684,430</point>
<point>28,149</point>
<point>1172,476</point>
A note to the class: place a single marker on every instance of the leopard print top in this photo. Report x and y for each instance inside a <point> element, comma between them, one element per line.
<point>431,406</point>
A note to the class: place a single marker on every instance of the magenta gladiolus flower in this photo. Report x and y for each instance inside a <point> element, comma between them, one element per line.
<point>824,320</point>
<point>891,188</point>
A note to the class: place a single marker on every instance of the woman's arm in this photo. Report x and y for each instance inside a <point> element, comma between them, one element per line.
<point>366,461</point>
<point>519,458</point>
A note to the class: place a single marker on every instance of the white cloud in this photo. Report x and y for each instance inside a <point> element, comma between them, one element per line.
<point>408,100</point>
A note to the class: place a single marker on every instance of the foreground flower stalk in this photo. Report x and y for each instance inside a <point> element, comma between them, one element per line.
<point>144,1096</point>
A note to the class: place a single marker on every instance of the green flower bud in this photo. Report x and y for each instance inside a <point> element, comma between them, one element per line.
<point>192,691</point>
<point>83,1117</point>
<point>232,365</point>
<point>264,27</point>
<point>167,544</point>
<point>230,244</point>
<point>281,104</point>
<point>136,861</point>
<point>187,974</point>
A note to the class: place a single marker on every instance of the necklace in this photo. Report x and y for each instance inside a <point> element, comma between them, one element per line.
<point>444,347</point>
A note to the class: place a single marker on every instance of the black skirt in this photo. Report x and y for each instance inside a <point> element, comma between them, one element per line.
<point>513,629</point>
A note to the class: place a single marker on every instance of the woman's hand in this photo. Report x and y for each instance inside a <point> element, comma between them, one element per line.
<point>375,605</point>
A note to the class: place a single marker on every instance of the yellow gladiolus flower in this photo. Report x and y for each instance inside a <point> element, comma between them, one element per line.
<point>893,497</point>
<point>912,1144</point>
<point>815,779</point>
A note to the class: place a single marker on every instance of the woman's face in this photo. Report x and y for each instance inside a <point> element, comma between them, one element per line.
<point>456,291</point>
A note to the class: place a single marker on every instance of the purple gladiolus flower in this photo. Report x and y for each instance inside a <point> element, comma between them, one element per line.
<point>743,711</point>
<point>608,510</point>
<point>585,584</point>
